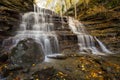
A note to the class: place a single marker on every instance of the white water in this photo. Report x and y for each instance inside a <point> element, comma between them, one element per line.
<point>86,42</point>
<point>35,25</point>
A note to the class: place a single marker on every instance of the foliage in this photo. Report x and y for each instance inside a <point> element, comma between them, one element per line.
<point>61,5</point>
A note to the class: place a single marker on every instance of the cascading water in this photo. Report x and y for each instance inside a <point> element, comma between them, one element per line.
<point>86,42</point>
<point>38,26</point>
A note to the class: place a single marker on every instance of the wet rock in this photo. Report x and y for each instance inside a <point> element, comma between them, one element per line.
<point>57,56</point>
<point>109,69</point>
<point>87,51</point>
<point>8,70</point>
<point>3,58</point>
<point>68,68</point>
<point>14,67</point>
<point>26,70</point>
<point>51,74</point>
<point>27,52</point>
<point>99,61</point>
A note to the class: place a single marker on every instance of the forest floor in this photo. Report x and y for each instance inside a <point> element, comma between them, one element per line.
<point>66,67</point>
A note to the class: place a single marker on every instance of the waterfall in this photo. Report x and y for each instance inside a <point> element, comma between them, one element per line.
<point>38,26</point>
<point>86,42</point>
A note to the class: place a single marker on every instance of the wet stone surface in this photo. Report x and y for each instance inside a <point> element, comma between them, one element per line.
<point>26,52</point>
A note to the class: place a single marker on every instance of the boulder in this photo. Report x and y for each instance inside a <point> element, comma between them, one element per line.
<point>27,52</point>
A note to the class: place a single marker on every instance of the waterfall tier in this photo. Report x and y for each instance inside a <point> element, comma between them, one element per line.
<point>86,42</point>
<point>39,26</point>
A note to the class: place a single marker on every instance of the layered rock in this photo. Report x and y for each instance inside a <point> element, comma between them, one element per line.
<point>10,12</point>
<point>102,19</point>
<point>105,26</point>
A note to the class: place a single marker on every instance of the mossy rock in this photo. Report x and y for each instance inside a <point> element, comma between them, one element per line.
<point>27,52</point>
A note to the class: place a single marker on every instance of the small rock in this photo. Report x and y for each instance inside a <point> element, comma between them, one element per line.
<point>26,70</point>
<point>68,69</point>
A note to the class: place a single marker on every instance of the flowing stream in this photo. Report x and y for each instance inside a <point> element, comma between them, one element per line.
<point>37,25</point>
<point>86,42</point>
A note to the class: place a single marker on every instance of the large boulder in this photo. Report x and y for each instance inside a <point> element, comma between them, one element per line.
<point>27,52</point>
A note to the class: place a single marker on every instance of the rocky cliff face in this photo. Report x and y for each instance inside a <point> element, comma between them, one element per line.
<point>10,11</point>
<point>102,19</point>
<point>106,29</point>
